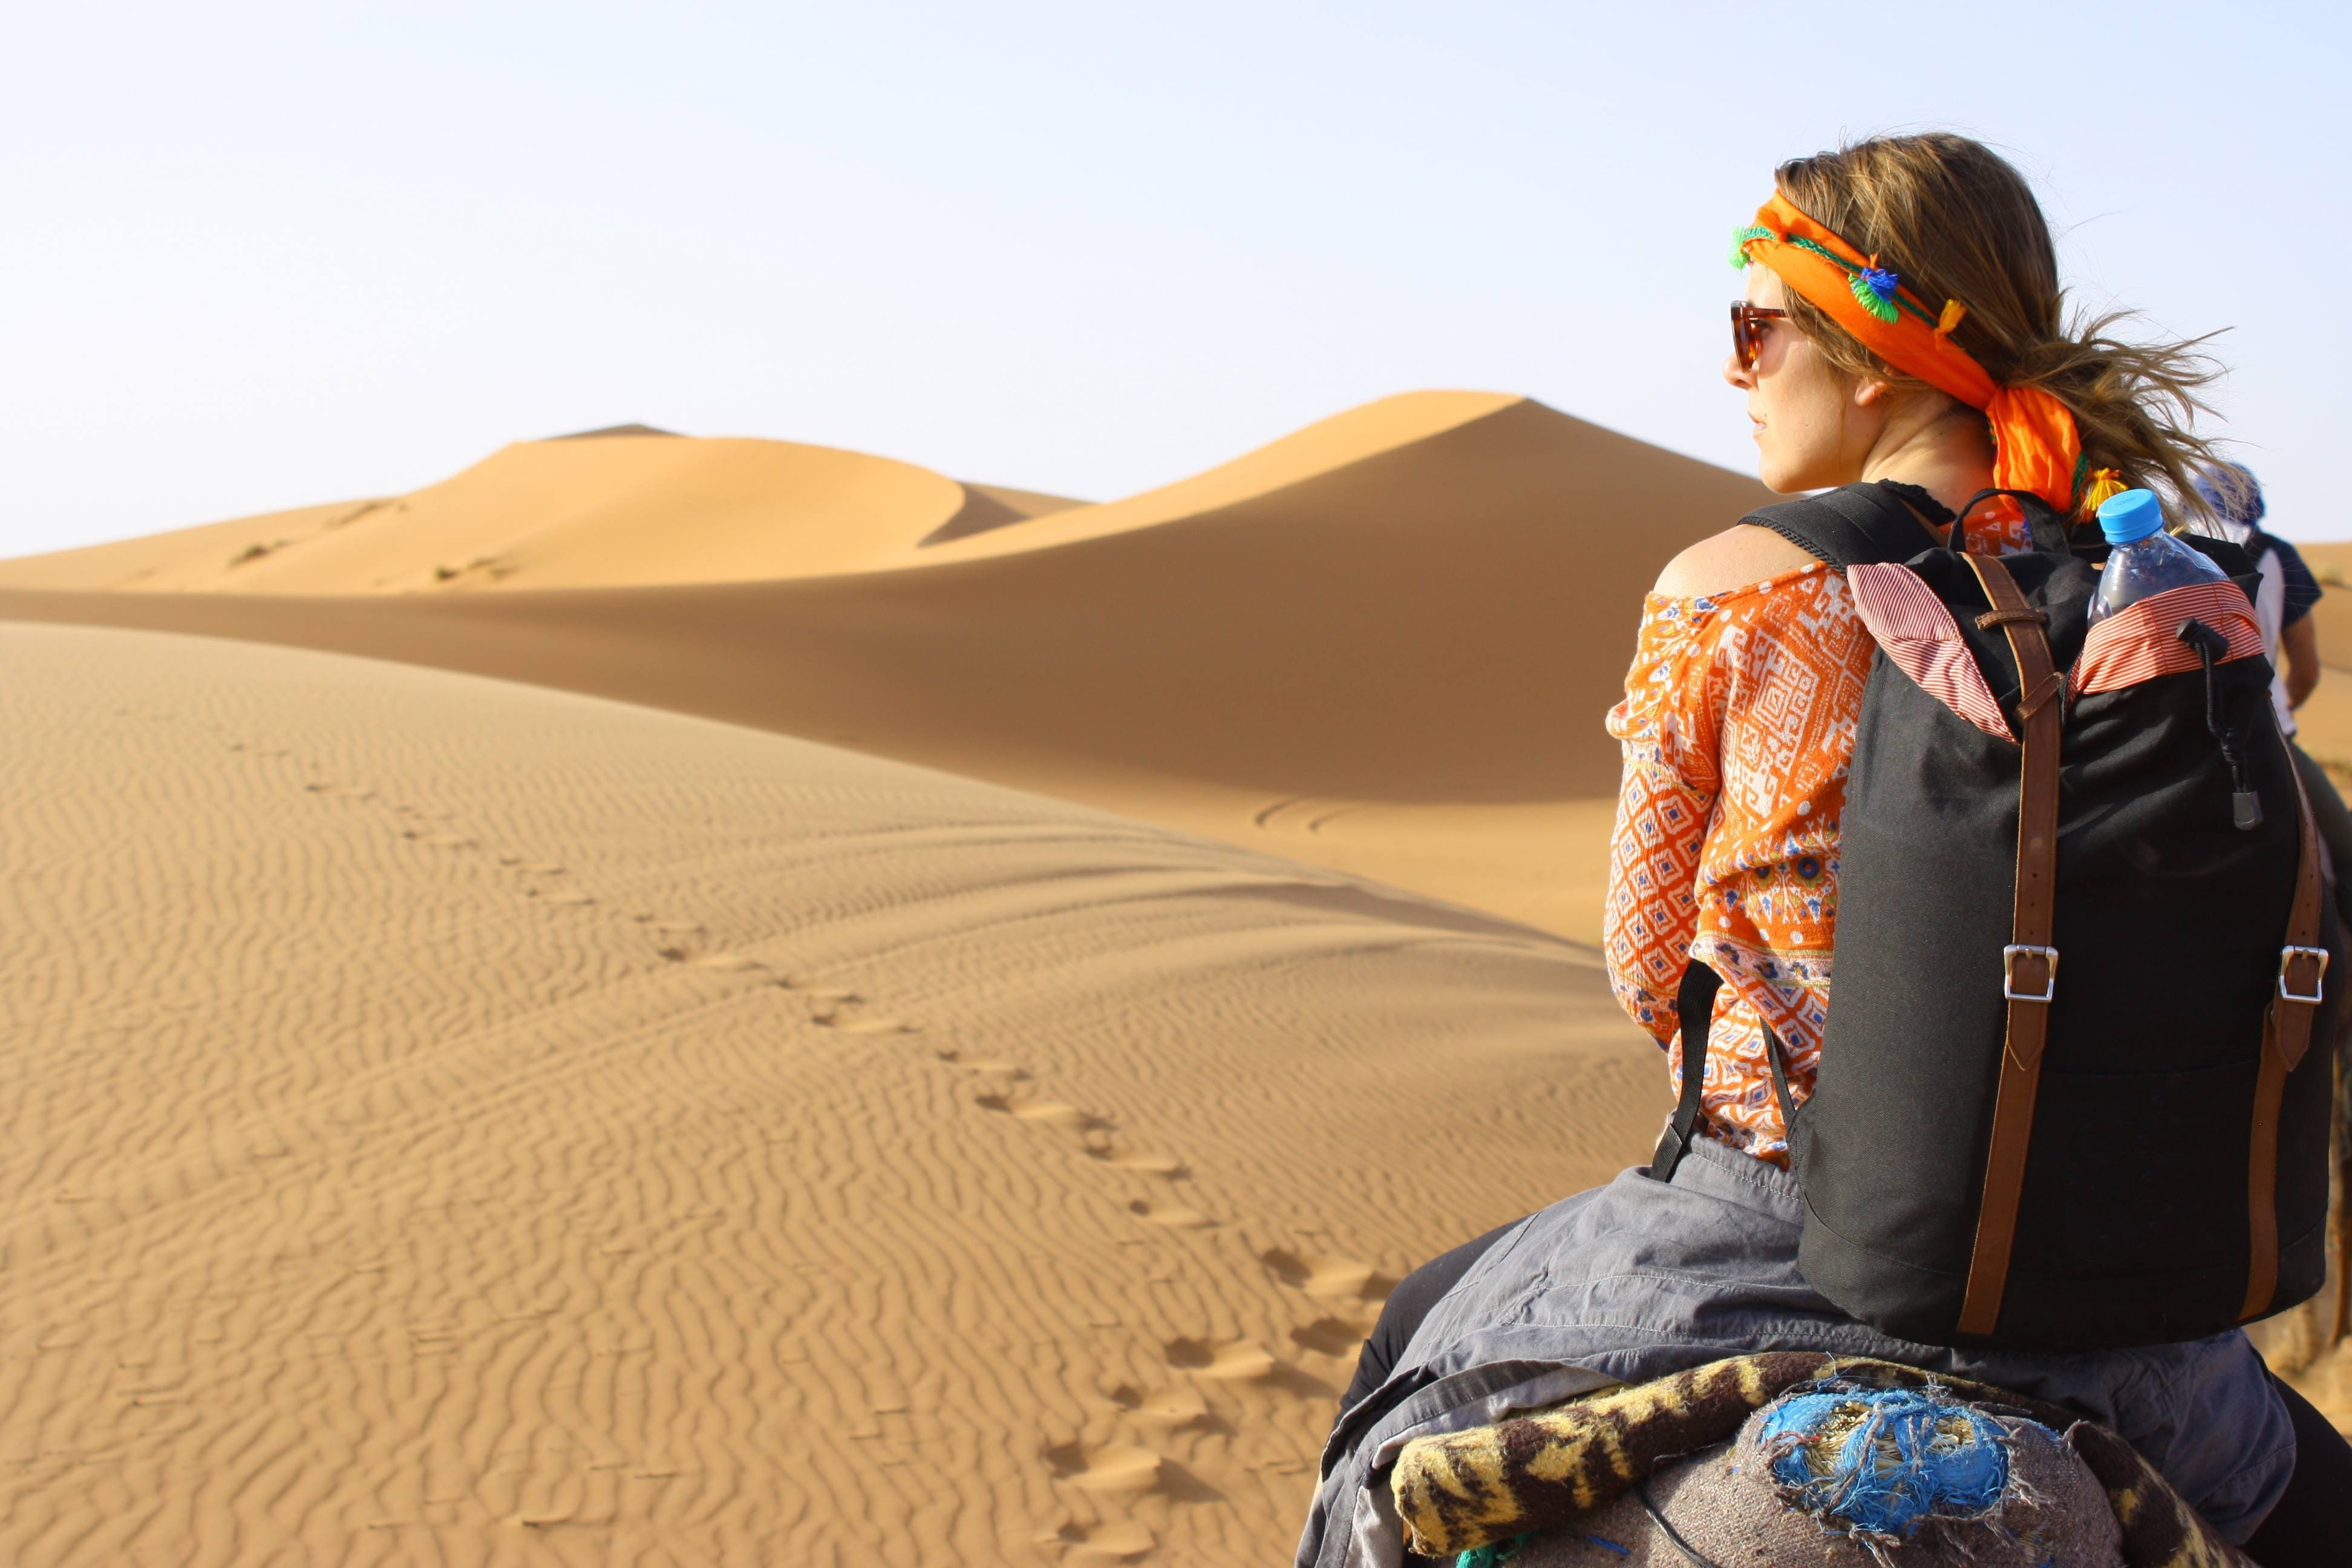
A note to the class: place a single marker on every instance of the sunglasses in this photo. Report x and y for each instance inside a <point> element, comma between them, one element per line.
<point>1747,330</point>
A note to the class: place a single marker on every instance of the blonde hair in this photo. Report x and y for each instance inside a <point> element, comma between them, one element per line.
<point>1956,222</point>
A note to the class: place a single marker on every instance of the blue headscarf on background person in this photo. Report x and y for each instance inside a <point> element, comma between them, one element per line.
<point>2233,493</point>
<point>2236,498</point>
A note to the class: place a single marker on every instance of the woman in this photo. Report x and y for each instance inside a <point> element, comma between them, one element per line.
<point>1736,728</point>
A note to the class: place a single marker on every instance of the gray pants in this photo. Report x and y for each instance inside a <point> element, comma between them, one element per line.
<point>1640,1280</point>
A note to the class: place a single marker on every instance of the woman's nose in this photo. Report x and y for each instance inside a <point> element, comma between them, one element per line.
<point>1736,372</point>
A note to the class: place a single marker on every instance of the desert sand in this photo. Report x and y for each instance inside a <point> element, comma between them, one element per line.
<point>480,1120</point>
<point>698,1001</point>
<point>627,507</point>
<point>458,1121</point>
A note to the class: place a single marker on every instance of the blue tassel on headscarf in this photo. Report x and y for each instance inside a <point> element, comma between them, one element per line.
<point>1874,288</point>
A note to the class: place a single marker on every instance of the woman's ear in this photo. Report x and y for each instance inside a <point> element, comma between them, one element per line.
<point>1868,390</point>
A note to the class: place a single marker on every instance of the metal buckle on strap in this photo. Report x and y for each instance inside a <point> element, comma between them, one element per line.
<point>2008,956</point>
<point>2288,955</point>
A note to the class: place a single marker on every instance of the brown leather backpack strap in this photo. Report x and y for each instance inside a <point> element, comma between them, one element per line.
<point>2029,964</point>
<point>2286,1035</point>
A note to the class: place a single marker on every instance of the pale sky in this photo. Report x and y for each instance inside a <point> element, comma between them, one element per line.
<point>257,256</point>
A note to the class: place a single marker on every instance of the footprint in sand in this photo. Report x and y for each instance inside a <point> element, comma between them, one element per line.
<point>1121,1469</point>
<point>1339,1280</point>
<point>847,1012</point>
<point>684,948</point>
<point>1235,1361</point>
<point>1172,1215</point>
<point>1349,1293</point>
<point>1177,1407</point>
<point>1165,1166</point>
<point>728,962</point>
<point>1047,1113</point>
<point>1239,1361</point>
<point>1003,1072</point>
<point>534,873</point>
<point>678,930</point>
<point>1116,1540</point>
<point>1331,1336</point>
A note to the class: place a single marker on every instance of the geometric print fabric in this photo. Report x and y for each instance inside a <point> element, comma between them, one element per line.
<point>1738,731</point>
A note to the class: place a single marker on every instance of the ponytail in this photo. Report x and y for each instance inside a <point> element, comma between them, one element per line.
<point>1958,222</point>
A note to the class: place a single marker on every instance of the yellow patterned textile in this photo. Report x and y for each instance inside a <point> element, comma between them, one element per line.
<point>1461,1490</point>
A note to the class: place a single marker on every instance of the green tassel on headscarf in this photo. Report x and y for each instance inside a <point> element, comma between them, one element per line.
<point>1876,289</point>
<point>1739,238</point>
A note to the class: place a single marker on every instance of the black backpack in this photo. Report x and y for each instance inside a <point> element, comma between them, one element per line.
<point>2134,1151</point>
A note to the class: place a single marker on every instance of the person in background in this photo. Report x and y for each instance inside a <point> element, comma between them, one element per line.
<point>2282,607</point>
<point>2288,591</point>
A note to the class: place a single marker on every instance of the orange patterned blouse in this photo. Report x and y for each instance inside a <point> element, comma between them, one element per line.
<point>1737,727</point>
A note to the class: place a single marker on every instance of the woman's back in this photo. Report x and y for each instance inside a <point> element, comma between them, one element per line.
<point>1736,727</point>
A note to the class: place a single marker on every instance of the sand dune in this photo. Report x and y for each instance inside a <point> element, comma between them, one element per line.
<point>184,558</point>
<point>1323,448</point>
<point>2333,616</point>
<point>1394,663</point>
<point>629,505</point>
<point>457,1121</point>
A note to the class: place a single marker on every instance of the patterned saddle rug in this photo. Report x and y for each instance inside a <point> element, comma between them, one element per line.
<point>1795,1459</point>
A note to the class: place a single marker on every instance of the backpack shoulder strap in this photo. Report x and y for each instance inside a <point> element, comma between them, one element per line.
<point>1849,527</point>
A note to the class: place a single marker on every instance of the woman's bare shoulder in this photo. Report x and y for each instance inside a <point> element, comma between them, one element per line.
<point>1739,555</point>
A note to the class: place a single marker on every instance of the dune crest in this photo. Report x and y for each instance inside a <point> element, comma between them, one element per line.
<point>1328,444</point>
<point>605,432</point>
<point>625,506</point>
<point>182,560</point>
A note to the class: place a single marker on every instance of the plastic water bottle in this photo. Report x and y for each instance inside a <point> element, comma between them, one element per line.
<point>2145,559</point>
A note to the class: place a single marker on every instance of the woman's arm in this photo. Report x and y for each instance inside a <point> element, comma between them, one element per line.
<point>2300,642</point>
<point>1652,911</point>
<point>1665,797</point>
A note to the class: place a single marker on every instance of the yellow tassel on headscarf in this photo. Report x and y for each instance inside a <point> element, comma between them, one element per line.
<point>1953,311</point>
<point>2105,486</point>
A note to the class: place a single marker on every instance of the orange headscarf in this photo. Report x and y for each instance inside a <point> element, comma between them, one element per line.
<point>2035,446</point>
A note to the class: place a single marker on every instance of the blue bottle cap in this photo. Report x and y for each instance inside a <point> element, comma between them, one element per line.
<point>2130,517</point>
